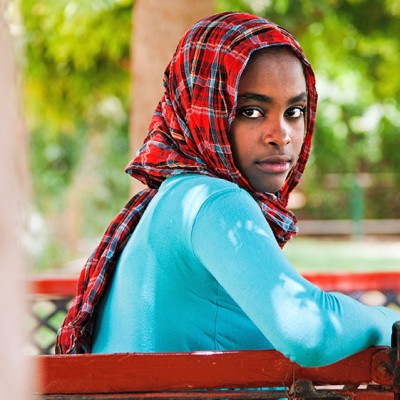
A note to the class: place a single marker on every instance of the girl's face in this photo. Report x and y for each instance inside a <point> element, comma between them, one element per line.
<point>268,130</point>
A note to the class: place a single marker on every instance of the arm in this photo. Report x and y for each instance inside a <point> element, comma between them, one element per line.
<point>233,241</point>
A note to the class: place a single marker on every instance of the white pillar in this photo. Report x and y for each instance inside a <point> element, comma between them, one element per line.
<point>14,376</point>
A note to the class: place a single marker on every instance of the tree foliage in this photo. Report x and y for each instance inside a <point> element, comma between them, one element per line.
<point>76,79</point>
<point>354,48</point>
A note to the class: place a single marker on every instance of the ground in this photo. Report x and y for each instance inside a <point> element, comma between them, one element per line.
<point>340,254</point>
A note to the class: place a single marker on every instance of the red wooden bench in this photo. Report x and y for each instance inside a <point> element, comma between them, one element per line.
<point>369,375</point>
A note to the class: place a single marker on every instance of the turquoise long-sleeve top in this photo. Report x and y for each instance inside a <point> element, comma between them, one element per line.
<point>203,271</point>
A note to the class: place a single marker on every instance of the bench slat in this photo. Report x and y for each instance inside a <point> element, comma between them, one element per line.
<point>134,372</point>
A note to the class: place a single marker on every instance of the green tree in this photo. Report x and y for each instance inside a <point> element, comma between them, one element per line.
<point>77,101</point>
<point>76,79</point>
<point>354,48</point>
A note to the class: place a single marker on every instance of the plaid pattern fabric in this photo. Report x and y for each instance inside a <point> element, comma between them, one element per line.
<point>189,134</point>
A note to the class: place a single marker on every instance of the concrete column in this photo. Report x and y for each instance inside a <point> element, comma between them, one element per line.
<point>14,376</point>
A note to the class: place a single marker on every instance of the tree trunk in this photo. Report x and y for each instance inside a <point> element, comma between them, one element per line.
<point>157,28</point>
<point>13,174</point>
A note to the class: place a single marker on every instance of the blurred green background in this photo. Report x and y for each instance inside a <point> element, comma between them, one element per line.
<point>76,81</point>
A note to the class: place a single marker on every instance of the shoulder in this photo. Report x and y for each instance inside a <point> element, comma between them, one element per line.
<point>202,182</point>
<point>195,190</point>
<point>189,194</point>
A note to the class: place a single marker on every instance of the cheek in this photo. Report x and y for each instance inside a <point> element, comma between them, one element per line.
<point>233,140</point>
<point>236,135</point>
<point>298,140</point>
<point>237,152</point>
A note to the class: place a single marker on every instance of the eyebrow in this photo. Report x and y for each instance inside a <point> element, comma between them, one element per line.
<point>267,99</point>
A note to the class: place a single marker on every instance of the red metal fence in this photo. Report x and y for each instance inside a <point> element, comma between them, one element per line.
<point>51,295</point>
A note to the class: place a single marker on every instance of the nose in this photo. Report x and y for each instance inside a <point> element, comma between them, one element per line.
<point>277,133</point>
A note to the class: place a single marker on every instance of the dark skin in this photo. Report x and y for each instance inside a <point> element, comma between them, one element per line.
<point>268,130</point>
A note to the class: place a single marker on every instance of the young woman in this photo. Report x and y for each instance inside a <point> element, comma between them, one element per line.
<point>195,261</point>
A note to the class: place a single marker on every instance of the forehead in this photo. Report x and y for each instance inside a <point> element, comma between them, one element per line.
<point>274,66</point>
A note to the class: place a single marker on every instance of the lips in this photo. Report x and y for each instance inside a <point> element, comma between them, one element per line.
<point>275,164</point>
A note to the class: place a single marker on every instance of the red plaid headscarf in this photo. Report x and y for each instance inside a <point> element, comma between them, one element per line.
<point>189,134</point>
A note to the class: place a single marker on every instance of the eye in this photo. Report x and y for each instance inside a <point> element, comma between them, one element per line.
<point>250,113</point>
<point>295,112</point>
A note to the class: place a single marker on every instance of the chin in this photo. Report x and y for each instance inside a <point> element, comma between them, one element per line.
<point>268,185</point>
<point>268,189</point>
